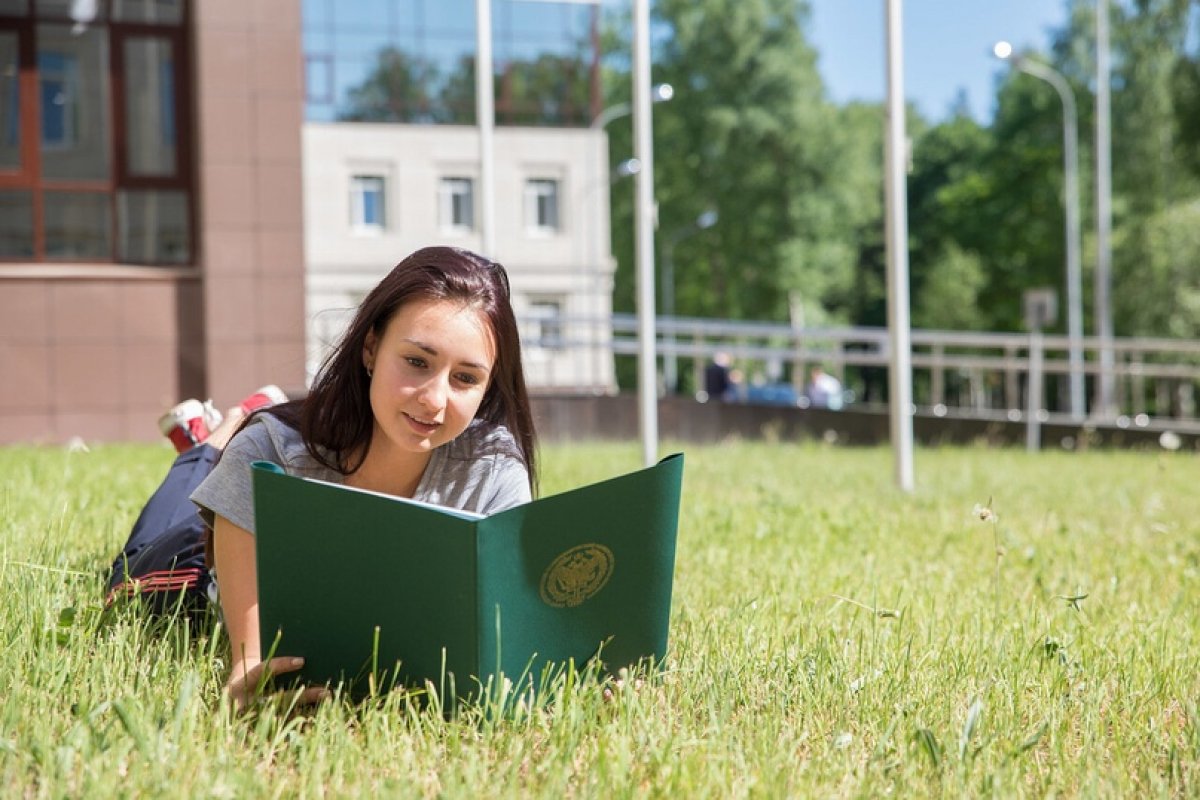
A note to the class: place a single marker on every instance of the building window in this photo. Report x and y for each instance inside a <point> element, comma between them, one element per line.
<point>58,74</point>
<point>541,206</point>
<point>457,205</point>
<point>368,206</point>
<point>150,126</point>
<point>10,102</point>
<point>70,189</point>
<point>545,322</point>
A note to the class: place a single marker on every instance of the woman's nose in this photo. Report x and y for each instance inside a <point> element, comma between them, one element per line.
<point>433,393</point>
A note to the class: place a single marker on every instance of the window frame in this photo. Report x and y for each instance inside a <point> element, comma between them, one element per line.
<point>71,135</point>
<point>534,225</point>
<point>446,205</point>
<point>28,176</point>
<point>550,328</point>
<point>358,221</point>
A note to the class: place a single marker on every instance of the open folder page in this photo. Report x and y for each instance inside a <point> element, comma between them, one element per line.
<point>361,583</point>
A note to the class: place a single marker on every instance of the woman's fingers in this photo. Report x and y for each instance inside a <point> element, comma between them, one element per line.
<point>262,672</point>
<point>312,695</point>
<point>250,684</point>
<point>280,665</point>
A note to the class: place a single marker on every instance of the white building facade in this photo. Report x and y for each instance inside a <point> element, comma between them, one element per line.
<point>375,192</point>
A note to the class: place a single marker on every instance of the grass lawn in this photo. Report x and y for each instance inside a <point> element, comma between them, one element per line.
<point>830,637</point>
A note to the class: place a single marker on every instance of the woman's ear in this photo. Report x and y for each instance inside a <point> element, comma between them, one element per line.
<point>368,353</point>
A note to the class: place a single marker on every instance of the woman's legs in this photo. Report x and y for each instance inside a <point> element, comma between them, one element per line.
<point>165,552</point>
<point>165,549</point>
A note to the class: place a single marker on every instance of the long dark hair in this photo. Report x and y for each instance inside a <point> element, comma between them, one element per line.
<point>336,415</point>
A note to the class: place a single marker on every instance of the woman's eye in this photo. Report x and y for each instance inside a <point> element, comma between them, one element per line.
<point>468,378</point>
<point>415,361</point>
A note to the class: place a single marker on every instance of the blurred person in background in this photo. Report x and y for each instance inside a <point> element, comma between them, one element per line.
<point>824,390</point>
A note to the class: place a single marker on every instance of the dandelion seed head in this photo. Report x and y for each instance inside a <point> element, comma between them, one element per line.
<point>983,513</point>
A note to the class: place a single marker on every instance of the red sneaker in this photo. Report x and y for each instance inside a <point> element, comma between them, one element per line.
<point>264,397</point>
<point>189,423</point>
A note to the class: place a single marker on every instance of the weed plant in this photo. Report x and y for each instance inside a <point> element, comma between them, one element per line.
<point>1020,626</point>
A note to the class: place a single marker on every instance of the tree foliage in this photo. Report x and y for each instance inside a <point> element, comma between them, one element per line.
<point>996,192</point>
<point>798,181</point>
<point>551,89</point>
<point>401,88</point>
<point>750,135</point>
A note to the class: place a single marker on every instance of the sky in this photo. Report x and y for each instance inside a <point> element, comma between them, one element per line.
<point>947,47</point>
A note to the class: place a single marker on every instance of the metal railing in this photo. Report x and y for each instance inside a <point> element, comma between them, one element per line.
<point>968,374</point>
<point>955,373</point>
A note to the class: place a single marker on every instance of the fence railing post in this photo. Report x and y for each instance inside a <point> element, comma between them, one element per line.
<point>1033,387</point>
<point>1137,385</point>
<point>937,379</point>
<point>1012,397</point>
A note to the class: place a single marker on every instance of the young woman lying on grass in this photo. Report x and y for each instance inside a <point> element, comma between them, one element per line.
<point>424,397</point>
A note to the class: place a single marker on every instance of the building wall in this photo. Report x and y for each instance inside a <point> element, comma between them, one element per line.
<point>250,108</point>
<point>93,355</point>
<point>100,350</point>
<point>573,266</point>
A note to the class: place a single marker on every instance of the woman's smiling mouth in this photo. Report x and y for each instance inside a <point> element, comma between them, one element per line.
<point>422,426</point>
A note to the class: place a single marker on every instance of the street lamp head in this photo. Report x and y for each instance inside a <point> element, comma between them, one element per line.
<point>1002,50</point>
<point>707,219</point>
<point>630,166</point>
<point>659,93</point>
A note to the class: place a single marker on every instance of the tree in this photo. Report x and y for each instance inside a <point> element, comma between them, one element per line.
<point>995,193</point>
<point>456,99</point>
<point>1155,187</point>
<point>1163,297</point>
<point>953,283</point>
<point>751,135</point>
<point>986,212</point>
<point>1185,93</point>
<point>863,300</point>
<point>949,193</point>
<point>400,88</point>
<point>550,90</point>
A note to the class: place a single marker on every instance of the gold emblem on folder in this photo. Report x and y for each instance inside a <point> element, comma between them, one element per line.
<point>577,575</point>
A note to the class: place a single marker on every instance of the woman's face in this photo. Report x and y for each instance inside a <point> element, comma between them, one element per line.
<point>431,369</point>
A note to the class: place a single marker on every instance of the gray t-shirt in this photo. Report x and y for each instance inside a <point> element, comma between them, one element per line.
<point>478,471</point>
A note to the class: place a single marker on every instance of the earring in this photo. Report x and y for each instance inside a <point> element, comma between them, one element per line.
<point>370,372</point>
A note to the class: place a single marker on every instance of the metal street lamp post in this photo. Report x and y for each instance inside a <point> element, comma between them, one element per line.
<point>485,117</point>
<point>670,363</point>
<point>643,219</point>
<point>1106,386</point>
<point>645,95</point>
<point>659,93</point>
<point>896,233</point>
<point>1071,202</point>
<point>1004,51</point>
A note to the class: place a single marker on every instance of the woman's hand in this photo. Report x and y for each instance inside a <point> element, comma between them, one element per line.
<point>245,684</point>
<point>237,579</point>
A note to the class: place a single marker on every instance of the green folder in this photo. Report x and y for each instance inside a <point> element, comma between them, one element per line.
<point>360,583</point>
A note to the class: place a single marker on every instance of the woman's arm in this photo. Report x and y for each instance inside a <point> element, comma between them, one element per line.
<point>237,580</point>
